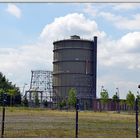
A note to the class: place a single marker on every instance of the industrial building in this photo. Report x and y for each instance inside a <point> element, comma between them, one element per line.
<point>74,66</point>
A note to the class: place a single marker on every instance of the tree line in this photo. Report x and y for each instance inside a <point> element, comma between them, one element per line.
<point>13,96</point>
<point>104,99</point>
<point>9,91</point>
<point>129,101</point>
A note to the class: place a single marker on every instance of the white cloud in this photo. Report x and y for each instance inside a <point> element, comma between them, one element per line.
<point>126,6</point>
<point>14,10</point>
<point>122,22</point>
<point>74,23</point>
<point>121,53</point>
<point>130,42</point>
<point>90,9</point>
<point>130,22</point>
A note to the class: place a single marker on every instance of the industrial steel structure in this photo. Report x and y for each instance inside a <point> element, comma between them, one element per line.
<point>40,86</point>
<point>74,66</point>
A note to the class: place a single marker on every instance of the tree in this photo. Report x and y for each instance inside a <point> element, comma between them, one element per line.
<point>72,97</point>
<point>17,97</point>
<point>138,97</point>
<point>1,96</point>
<point>12,93</point>
<point>62,104</point>
<point>122,104</point>
<point>116,101</point>
<point>25,102</point>
<point>11,90</point>
<point>104,97</point>
<point>130,100</point>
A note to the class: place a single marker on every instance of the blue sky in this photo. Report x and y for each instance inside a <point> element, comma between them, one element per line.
<point>33,19</point>
<point>28,30</point>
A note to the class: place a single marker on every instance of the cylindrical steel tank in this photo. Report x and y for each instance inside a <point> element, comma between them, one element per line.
<point>74,66</point>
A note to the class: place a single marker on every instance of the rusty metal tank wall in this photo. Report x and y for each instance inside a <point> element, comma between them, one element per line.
<point>74,66</point>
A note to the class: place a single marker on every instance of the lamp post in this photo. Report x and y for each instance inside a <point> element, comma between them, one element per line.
<point>118,99</point>
<point>100,104</point>
<point>24,88</point>
<point>102,87</point>
<point>117,91</point>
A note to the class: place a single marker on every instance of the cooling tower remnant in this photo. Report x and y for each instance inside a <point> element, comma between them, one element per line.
<point>74,66</point>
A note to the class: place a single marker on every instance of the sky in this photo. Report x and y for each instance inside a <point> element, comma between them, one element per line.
<point>27,32</point>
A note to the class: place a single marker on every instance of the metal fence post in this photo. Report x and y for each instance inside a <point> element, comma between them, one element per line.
<point>77,108</point>
<point>3,120</point>
<point>136,108</point>
<point>3,115</point>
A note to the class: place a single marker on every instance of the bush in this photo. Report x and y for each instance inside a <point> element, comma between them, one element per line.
<point>45,103</point>
<point>25,102</point>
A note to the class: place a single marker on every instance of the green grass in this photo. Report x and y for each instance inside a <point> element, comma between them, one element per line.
<point>44,123</point>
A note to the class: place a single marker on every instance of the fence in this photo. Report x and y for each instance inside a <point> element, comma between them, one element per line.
<point>35,122</point>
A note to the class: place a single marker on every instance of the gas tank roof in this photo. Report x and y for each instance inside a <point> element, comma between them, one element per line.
<point>75,37</point>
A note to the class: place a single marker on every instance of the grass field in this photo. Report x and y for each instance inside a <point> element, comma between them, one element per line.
<point>28,123</point>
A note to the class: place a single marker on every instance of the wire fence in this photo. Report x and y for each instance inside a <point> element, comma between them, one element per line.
<point>29,123</point>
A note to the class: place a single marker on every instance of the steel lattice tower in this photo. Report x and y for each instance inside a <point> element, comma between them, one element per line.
<point>41,81</point>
